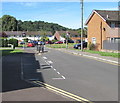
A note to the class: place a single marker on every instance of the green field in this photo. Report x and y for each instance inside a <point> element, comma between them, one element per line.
<point>70,45</point>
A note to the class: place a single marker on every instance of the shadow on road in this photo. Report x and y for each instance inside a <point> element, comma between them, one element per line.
<point>18,68</point>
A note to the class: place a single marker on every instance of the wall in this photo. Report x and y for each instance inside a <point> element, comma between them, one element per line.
<point>111,46</point>
<point>95,29</point>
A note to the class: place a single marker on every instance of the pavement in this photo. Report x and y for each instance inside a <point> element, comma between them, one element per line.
<point>16,87</point>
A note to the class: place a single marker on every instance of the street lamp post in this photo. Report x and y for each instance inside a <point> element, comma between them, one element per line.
<point>67,36</point>
<point>23,35</point>
<point>81,25</point>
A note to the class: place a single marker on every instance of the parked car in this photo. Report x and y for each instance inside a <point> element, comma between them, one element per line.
<point>49,42</point>
<point>69,41</point>
<point>35,42</point>
<point>78,46</point>
<point>58,42</point>
<point>30,44</point>
<point>22,42</point>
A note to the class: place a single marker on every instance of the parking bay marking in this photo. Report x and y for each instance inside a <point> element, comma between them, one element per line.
<point>49,63</point>
<point>62,92</point>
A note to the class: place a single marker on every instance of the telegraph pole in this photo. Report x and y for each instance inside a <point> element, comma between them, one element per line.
<point>119,5</point>
<point>81,25</point>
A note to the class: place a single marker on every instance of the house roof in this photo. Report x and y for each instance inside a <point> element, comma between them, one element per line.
<point>106,15</point>
<point>27,33</point>
<point>71,32</point>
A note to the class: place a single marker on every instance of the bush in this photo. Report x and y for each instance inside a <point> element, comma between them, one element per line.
<point>44,39</point>
<point>54,40</point>
<point>4,42</point>
<point>26,39</point>
<point>13,42</point>
<point>92,46</point>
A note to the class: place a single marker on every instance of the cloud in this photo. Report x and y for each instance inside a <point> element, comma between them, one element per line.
<point>29,4</point>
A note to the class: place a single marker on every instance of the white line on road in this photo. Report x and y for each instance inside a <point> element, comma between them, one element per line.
<point>63,77</point>
<point>50,62</point>
<point>54,69</point>
<point>58,72</point>
<point>44,57</point>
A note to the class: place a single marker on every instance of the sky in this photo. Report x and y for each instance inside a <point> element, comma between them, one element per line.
<point>67,14</point>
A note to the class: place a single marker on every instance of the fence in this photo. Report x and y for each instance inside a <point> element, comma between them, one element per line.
<point>111,46</point>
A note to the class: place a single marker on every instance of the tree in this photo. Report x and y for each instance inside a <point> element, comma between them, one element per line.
<point>84,31</point>
<point>13,42</point>
<point>9,23</point>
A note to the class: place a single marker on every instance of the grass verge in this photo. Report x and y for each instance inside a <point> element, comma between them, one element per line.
<point>70,46</point>
<point>9,51</point>
<point>116,55</point>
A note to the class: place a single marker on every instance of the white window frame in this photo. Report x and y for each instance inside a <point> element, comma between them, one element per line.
<point>94,40</point>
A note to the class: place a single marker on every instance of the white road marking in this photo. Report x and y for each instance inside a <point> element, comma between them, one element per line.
<point>50,62</point>
<point>38,70</point>
<point>63,77</point>
<point>44,57</point>
<point>58,72</point>
<point>54,69</point>
<point>39,53</point>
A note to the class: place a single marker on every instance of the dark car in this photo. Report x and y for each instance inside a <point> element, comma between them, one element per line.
<point>22,42</point>
<point>49,42</point>
<point>35,42</point>
<point>59,42</point>
<point>69,41</point>
<point>78,46</point>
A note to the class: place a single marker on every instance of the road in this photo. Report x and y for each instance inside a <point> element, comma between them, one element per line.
<point>84,77</point>
<point>91,79</point>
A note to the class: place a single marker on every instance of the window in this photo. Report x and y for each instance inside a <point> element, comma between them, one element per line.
<point>112,24</point>
<point>117,40</point>
<point>119,25</point>
<point>93,40</point>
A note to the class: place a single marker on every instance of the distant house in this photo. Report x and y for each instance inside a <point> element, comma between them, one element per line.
<point>32,35</point>
<point>103,29</point>
<point>74,35</point>
<point>3,34</point>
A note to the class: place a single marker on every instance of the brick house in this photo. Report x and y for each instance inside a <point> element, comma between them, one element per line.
<point>74,35</point>
<point>103,29</point>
